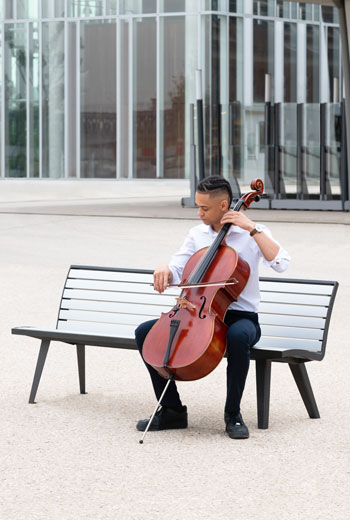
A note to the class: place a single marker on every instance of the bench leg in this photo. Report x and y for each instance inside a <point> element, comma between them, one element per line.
<point>81,367</point>
<point>303,383</point>
<point>44,347</point>
<point>263,379</point>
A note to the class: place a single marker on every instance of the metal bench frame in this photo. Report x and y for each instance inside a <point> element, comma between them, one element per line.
<point>295,351</point>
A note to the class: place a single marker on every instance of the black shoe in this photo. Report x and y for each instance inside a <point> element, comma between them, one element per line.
<point>165,419</point>
<point>236,427</point>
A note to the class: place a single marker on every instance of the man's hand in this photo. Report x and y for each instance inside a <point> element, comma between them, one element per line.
<point>238,218</point>
<point>162,277</point>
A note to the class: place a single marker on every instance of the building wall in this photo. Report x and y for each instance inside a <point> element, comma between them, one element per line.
<point>102,88</point>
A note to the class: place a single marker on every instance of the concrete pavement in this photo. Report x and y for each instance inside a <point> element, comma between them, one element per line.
<point>74,456</point>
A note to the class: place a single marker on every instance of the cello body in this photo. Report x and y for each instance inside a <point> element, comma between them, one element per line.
<point>189,341</point>
<point>199,343</point>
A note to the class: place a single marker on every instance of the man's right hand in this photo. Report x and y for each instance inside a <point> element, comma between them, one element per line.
<point>162,277</point>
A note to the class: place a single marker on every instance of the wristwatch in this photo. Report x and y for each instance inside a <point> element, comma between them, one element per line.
<point>257,229</point>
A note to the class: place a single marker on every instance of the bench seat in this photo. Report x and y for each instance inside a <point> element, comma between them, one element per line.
<point>102,306</point>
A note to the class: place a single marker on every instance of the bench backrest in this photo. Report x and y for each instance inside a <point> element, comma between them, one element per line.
<point>113,302</point>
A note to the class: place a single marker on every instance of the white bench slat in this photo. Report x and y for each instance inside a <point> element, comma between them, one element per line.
<point>150,299</point>
<point>122,308</point>
<point>293,310</point>
<point>105,317</point>
<point>292,321</point>
<point>84,327</point>
<point>300,299</point>
<point>303,288</point>
<point>288,343</point>
<point>122,276</point>
<point>291,332</point>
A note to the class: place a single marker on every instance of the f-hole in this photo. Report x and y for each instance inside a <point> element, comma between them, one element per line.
<point>202,307</point>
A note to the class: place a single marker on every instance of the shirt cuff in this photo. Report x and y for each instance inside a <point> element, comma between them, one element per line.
<point>281,261</point>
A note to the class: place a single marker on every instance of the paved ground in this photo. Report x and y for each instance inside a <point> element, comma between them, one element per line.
<point>77,457</point>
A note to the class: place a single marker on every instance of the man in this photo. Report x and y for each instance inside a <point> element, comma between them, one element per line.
<point>252,242</point>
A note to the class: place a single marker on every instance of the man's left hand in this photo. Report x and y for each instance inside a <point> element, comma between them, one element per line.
<point>237,218</point>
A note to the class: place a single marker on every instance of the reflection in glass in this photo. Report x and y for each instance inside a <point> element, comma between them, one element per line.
<point>111,7</point>
<point>124,101</point>
<point>173,97</point>
<point>71,115</point>
<point>312,64</point>
<point>145,98</point>
<point>53,99</point>
<point>264,7</point>
<point>333,149</point>
<point>33,114</point>
<point>290,62</point>
<point>311,149</point>
<point>27,9</point>
<point>263,56</point>
<point>172,6</point>
<point>215,81</point>
<point>333,49</point>
<point>52,8</point>
<point>288,148</point>
<point>236,6</point>
<point>8,5</point>
<point>137,7</point>
<point>15,100</point>
<point>329,14</point>
<point>98,99</point>
<point>85,8</point>
<point>235,130</point>
<point>282,9</point>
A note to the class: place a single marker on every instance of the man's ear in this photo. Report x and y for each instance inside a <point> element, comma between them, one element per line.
<point>224,205</point>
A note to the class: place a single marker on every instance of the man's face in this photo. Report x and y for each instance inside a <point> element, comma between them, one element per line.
<point>211,208</point>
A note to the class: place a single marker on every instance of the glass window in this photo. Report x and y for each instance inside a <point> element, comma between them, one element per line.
<point>235,6</point>
<point>125,97</point>
<point>333,41</point>
<point>111,7</point>
<point>26,9</point>
<point>305,11</point>
<point>145,98</point>
<point>52,8</point>
<point>264,7</point>
<point>15,100</point>
<point>173,96</point>
<point>235,122</point>
<point>312,64</point>
<point>9,9</point>
<point>53,99</point>
<point>216,95</point>
<point>98,99</point>
<point>33,115</point>
<point>263,53</point>
<point>294,10</point>
<point>172,6</point>
<point>290,62</point>
<point>137,7</point>
<point>85,8</point>
<point>215,5</point>
<point>71,114</point>
<point>282,9</point>
<point>330,14</point>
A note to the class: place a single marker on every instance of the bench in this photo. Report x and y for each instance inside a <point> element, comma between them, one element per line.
<point>103,306</point>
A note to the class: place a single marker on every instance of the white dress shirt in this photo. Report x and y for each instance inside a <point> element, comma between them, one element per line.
<point>246,247</point>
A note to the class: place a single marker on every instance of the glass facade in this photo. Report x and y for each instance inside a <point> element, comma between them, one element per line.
<point>102,89</point>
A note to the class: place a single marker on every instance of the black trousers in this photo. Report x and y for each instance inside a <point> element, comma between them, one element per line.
<point>243,333</point>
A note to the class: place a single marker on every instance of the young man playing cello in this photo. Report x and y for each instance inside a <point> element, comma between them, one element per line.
<point>252,242</point>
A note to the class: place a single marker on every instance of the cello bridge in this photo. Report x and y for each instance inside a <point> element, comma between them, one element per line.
<point>183,303</point>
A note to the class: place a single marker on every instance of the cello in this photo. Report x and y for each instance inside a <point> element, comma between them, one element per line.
<point>189,341</point>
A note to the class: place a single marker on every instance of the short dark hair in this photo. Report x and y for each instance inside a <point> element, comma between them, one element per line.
<point>214,184</point>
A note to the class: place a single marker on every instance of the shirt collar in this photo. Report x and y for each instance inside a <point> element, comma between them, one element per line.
<point>210,230</point>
